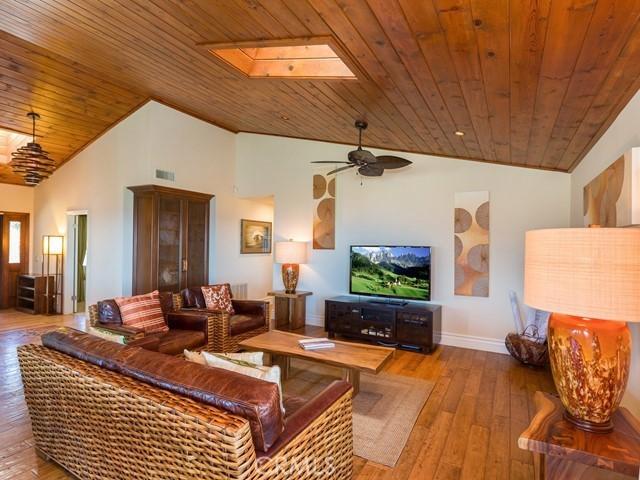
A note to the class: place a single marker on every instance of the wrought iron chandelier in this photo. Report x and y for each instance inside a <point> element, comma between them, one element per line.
<point>30,161</point>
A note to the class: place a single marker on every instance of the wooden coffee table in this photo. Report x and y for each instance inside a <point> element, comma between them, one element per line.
<point>353,358</point>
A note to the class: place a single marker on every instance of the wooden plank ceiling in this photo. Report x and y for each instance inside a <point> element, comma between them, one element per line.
<point>530,82</point>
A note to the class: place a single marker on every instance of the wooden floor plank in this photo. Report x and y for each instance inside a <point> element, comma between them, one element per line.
<point>468,427</point>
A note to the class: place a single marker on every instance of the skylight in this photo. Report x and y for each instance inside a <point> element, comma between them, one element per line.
<point>10,142</point>
<point>315,58</point>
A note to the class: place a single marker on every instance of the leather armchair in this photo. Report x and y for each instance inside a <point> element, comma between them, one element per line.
<point>226,331</point>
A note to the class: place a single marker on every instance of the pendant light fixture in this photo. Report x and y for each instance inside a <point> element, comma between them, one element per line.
<point>30,161</point>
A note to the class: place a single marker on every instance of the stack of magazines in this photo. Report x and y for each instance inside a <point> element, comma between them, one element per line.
<point>316,343</point>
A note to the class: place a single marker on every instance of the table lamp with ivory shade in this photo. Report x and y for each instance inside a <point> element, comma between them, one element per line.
<point>291,254</point>
<point>589,279</point>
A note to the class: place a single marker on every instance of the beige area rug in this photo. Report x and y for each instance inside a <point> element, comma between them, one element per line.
<point>384,411</point>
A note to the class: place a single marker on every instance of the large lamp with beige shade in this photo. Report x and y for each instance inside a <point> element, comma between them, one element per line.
<point>291,254</point>
<point>589,278</point>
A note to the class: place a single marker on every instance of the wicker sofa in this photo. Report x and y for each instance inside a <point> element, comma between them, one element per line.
<point>109,411</point>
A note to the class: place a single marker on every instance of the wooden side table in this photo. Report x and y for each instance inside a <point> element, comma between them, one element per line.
<point>291,309</point>
<point>562,451</point>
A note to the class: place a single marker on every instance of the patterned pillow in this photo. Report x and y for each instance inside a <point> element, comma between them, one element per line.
<point>268,374</point>
<point>107,335</point>
<point>218,297</point>
<point>256,358</point>
<point>143,311</point>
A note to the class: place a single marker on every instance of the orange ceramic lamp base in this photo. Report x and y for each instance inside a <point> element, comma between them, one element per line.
<point>290,274</point>
<point>590,362</point>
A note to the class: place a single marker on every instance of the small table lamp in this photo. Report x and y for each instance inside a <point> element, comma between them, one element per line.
<point>589,278</point>
<point>290,254</point>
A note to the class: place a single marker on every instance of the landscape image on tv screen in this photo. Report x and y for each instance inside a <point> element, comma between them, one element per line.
<point>403,272</point>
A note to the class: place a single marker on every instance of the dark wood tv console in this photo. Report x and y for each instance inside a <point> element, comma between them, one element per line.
<point>410,326</point>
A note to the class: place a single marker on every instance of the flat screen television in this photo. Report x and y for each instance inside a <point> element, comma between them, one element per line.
<point>391,271</point>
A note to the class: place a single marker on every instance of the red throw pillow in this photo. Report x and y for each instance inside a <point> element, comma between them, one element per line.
<point>218,297</point>
<point>143,311</point>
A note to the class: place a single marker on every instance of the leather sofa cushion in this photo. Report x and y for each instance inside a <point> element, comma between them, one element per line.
<point>193,297</point>
<point>251,307</point>
<point>176,341</point>
<point>173,342</point>
<point>148,342</point>
<point>244,323</point>
<point>109,312</point>
<point>189,320</point>
<point>256,400</point>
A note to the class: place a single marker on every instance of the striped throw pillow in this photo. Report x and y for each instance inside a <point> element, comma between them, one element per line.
<point>143,311</point>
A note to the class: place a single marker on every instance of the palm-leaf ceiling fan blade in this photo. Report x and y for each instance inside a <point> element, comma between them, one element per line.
<point>390,162</point>
<point>337,170</point>
<point>362,157</point>
<point>329,161</point>
<point>371,171</point>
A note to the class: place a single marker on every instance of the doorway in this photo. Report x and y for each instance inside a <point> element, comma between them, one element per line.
<point>79,254</point>
<point>14,254</point>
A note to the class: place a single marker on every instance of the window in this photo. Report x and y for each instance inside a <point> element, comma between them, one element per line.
<point>14,241</point>
<point>308,58</point>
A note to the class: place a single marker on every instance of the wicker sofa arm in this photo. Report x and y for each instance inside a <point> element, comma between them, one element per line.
<point>310,412</point>
<point>323,435</point>
<point>129,332</point>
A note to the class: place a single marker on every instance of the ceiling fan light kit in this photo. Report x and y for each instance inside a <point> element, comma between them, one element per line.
<point>31,161</point>
<point>368,164</point>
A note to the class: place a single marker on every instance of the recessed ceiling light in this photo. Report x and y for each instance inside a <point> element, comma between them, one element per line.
<point>459,133</point>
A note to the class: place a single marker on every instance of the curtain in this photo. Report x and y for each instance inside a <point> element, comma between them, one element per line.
<point>81,272</point>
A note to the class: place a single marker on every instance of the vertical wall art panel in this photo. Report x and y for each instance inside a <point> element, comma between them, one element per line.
<point>471,244</point>
<point>324,211</point>
<point>612,199</point>
<point>603,201</point>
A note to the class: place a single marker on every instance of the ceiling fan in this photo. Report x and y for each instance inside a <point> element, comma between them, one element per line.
<point>368,164</point>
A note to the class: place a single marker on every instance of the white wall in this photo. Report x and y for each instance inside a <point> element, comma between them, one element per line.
<point>413,206</point>
<point>202,157</point>
<point>622,135</point>
<point>16,198</point>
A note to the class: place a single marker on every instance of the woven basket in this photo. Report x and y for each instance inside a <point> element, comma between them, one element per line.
<point>527,350</point>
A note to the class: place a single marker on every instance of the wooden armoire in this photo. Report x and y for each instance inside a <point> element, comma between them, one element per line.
<point>170,239</point>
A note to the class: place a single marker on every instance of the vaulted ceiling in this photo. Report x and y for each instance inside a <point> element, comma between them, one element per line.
<point>529,82</point>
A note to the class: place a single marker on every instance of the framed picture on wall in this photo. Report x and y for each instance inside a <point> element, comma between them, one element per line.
<point>255,236</point>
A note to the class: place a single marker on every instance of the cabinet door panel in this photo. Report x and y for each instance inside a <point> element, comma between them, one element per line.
<point>144,263</point>
<point>197,234</point>
<point>169,243</point>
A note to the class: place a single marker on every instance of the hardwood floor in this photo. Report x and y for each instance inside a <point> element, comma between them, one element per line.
<point>468,428</point>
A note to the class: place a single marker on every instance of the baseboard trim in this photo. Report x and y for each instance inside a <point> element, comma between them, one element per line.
<point>475,343</point>
<point>317,320</point>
